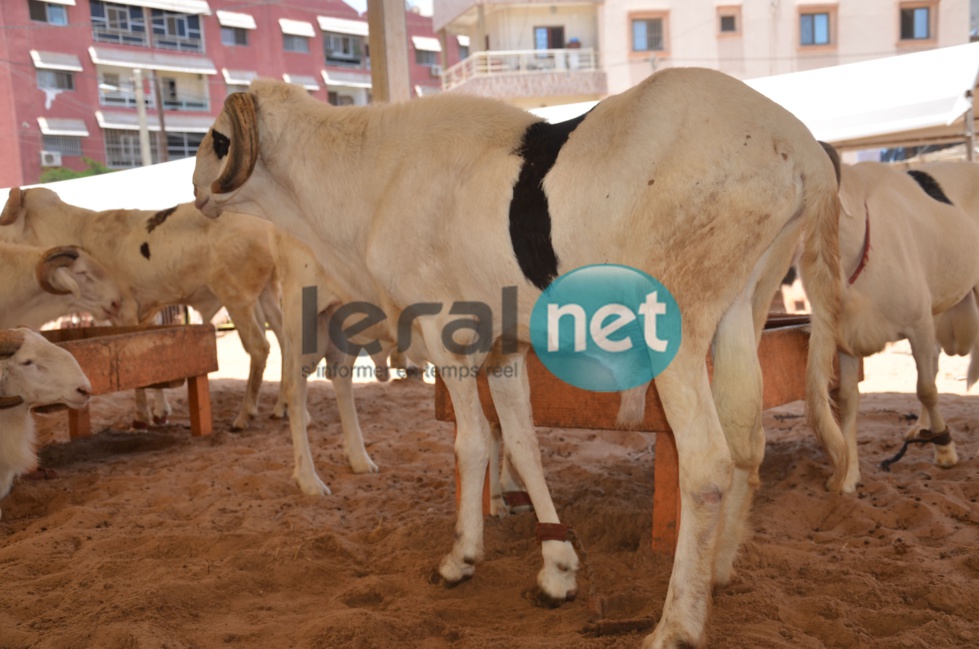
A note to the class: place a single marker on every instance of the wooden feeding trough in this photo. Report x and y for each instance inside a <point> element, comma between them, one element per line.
<point>125,358</point>
<point>556,404</point>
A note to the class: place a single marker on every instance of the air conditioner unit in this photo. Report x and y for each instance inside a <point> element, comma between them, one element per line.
<point>436,70</point>
<point>50,158</point>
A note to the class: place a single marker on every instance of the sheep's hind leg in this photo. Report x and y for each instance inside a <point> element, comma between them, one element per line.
<point>705,478</point>
<point>849,402</point>
<point>925,352</point>
<point>737,390</point>
<point>252,334</point>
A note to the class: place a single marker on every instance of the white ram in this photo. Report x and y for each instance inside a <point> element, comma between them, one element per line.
<point>174,256</point>
<point>908,243</point>
<point>41,284</point>
<point>690,176</point>
<point>33,372</point>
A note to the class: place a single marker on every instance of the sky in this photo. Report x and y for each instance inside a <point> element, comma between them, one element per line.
<point>424,5</point>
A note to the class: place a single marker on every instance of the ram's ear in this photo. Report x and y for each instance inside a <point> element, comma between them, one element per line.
<point>242,113</point>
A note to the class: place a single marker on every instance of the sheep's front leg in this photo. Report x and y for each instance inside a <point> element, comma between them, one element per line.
<point>925,354</point>
<point>141,418</point>
<point>161,409</point>
<point>472,457</point>
<point>510,388</point>
<point>295,368</point>
<point>705,478</point>
<point>848,398</point>
<point>340,368</point>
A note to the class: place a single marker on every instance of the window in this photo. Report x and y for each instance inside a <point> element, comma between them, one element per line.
<point>63,144</point>
<point>55,80</point>
<point>916,23</point>
<point>463,52</point>
<point>424,57</point>
<point>234,87</point>
<point>548,38</point>
<point>112,23</point>
<point>728,24</point>
<point>337,99</point>
<point>234,36</point>
<point>814,29</point>
<point>342,49</point>
<point>291,43</point>
<point>183,145</point>
<point>43,12</point>
<point>648,35</point>
<point>122,149</point>
<point>173,31</point>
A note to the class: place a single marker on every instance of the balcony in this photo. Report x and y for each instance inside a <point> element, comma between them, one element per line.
<point>527,73</point>
<point>124,96</point>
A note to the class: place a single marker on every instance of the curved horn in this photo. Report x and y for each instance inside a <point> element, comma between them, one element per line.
<point>242,111</point>
<point>10,402</point>
<point>53,259</point>
<point>12,209</point>
<point>10,342</point>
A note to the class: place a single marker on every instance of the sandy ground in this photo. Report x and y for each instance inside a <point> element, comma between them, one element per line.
<point>158,539</point>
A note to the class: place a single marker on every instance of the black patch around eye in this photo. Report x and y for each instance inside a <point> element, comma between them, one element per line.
<point>145,249</point>
<point>221,143</point>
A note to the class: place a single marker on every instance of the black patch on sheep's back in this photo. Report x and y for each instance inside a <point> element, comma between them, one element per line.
<point>530,218</point>
<point>145,249</point>
<point>930,185</point>
<point>157,219</point>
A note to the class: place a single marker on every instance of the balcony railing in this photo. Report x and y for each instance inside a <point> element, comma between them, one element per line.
<point>178,43</point>
<point>519,62</point>
<point>125,96</point>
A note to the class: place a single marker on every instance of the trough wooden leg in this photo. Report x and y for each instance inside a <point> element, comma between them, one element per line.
<point>666,494</point>
<point>199,401</point>
<point>79,423</point>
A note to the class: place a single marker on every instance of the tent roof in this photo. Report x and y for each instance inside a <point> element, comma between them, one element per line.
<point>901,100</point>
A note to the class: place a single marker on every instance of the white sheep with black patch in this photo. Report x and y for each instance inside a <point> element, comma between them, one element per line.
<point>690,176</point>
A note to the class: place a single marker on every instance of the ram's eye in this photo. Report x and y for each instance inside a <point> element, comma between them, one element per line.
<point>27,362</point>
<point>221,143</point>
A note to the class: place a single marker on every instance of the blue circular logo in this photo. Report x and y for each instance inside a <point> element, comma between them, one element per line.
<point>605,328</point>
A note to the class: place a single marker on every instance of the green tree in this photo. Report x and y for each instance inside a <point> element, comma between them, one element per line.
<point>93,168</point>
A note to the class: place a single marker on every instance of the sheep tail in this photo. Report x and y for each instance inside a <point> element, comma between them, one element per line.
<point>819,267</point>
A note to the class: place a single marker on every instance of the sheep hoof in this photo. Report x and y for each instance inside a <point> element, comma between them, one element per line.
<point>540,599</point>
<point>160,421</point>
<point>436,579</point>
<point>140,425</point>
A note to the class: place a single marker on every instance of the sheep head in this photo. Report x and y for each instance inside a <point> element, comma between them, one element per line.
<point>64,270</point>
<point>36,372</point>
<point>10,342</point>
<point>15,219</point>
<point>227,155</point>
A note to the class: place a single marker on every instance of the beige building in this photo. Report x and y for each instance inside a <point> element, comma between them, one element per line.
<point>544,53</point>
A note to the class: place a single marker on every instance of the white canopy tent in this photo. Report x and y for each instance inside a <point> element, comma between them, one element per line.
<point>921,98</point>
